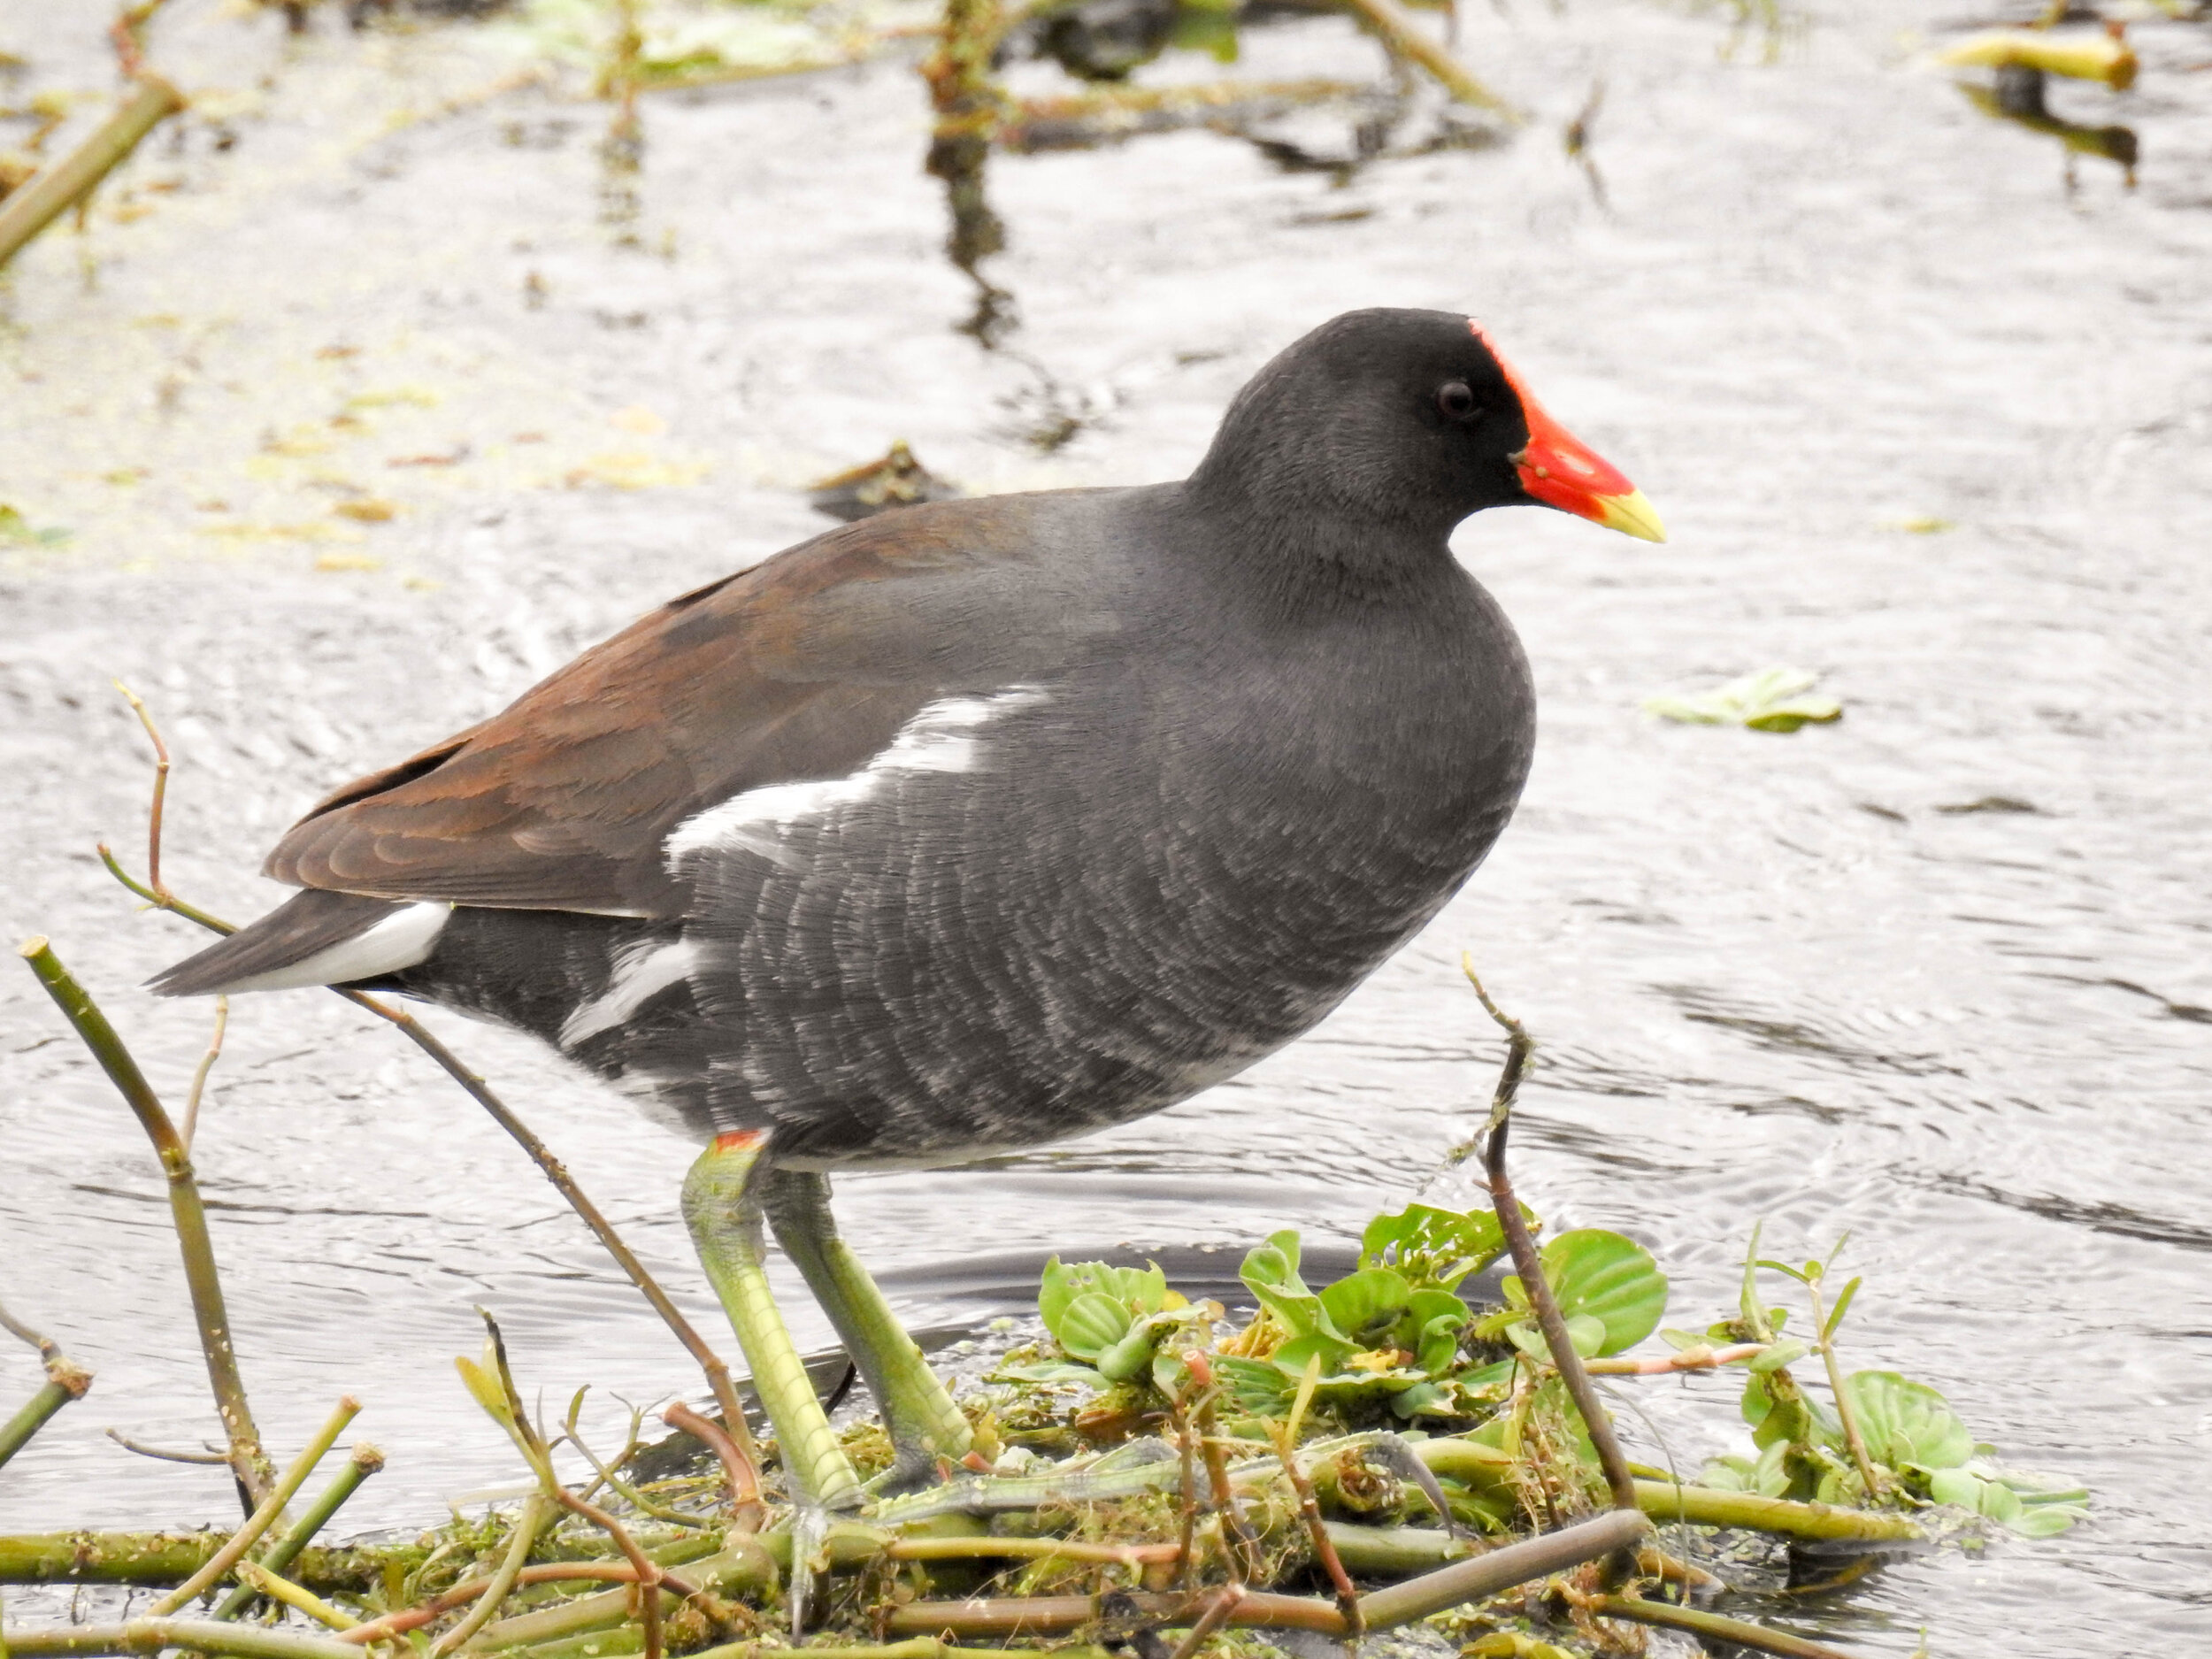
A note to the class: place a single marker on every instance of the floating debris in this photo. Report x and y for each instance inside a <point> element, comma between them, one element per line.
<point>2105,57</point>
<point>896,479</point>
<point>1770,699</point>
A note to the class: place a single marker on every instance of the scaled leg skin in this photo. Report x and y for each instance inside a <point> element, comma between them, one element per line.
<point>722,1207</point>
<point>923,1423</point>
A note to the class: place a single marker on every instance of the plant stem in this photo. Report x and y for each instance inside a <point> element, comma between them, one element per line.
<point>1405,40</point>
<point>740,1469</point>
<point>1715,1626</point>
<point>16,1431</point>
<point>533,1516</point>
<point>1845,1413</point>
<point>717,1374</point>
<point>366,1461</point>
<point>1484,1576</point>
<point>32,207</point>
<point>1705,1506</point>
<point>199,1078</point>
<point>1519,1048</point>
<point>151,1635</point>
<point>249,1462</point>
<point>260,1580</point>
<point>160,1558</point>
<point>66,1380</point>
<point>270,1506</point>
<point>1316,1529</point>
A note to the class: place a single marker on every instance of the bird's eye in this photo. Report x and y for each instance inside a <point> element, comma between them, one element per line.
<point>1457,399</point>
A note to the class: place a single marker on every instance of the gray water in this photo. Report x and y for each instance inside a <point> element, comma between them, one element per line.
<point>1816,980</point>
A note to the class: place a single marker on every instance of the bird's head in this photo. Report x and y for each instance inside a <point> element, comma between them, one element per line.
<point>1410,418</point>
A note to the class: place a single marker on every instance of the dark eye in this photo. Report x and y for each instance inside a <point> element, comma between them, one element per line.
<point>1457,401</point>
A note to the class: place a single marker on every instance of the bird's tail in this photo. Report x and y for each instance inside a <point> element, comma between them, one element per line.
<point>313,938</point>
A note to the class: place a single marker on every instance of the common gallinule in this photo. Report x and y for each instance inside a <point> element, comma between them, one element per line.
<point>979,824</point>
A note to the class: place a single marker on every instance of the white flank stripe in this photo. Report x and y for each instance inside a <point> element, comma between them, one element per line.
<point>944,736</point>
<point>642,972</point>
<point>400,941</point>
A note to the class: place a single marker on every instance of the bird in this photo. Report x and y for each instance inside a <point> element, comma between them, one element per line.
<point>978,825</point>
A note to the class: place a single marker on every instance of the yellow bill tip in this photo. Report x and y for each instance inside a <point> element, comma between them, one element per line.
<point>1631,515</point>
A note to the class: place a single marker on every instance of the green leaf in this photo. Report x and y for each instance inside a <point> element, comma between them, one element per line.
<point>1271,1273</point>
<point>1123,1361</point>
<point>1905,1422</point>
<point>1778,1355</point>
<point>486,1391</point>
<point>1140,1291</point>
<point>1365,1302</point>
<point>1432,1248</point>
<point>1586,1333</point>
<point>1770,699</point>
<point>1835,1316</point>
<point>1609,1278</point>
<point>1437,1346</point>
<point>1050,1371</point>
<point>1257,1386</point>
<point>1291,1357</point>
<point>1091,1323</point>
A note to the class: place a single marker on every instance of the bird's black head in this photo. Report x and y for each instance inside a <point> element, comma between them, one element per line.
<point>1405,420</point>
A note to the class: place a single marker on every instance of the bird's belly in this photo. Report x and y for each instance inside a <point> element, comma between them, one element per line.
<point>949,972</point>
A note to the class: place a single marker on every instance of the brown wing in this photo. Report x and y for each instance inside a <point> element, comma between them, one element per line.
<point>800,668</point>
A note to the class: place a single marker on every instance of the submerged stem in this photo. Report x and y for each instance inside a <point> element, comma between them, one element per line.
<point>249,1462</point>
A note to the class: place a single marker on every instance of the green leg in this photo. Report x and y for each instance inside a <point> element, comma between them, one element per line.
<point>923,1423</point>
<point>722,1208</point>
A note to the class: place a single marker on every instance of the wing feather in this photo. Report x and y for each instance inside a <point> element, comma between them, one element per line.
<point>799,669</point>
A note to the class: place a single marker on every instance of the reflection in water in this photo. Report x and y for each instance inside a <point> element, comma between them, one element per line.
<point>621,162</point>
<point>2018,96</point>
<point>960,158</point>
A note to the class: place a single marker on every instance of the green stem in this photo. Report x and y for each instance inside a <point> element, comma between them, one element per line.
<point>366,1461</point>
<point>151,1635</point>
<point>535,1510</point>
<point>717,1374</point>
<point>1703,1506</point>
<point>28,1422</point>
<point>1397,31</point>
<point>160,1558</point>
<point>1716,1626</point>
<point>1845,1412</point>
<point>249,1462</point>
<point>1484,1576</point>
<point>272,1506</point>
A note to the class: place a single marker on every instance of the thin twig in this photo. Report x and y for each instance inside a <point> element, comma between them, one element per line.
<point>461,1594</point>
<point>717,1374</point>
<point>199,1078</point>
<point>1741,1633</point>
<point>162,1455</point>
<point>270,1506</point>
<point>1245,1547</point>
<point>1702,1357</point>
<point>1219,1607</point>
<point>742,1472</point>
<point>1846,1413</point>
<point>65,1381</point>
<point>1309,1509</point>
<point>1185,1450</point>
<point>249,1462</point>
<point>533,1517</point>
<point>623,1489</point>
<point>1405,40</point>
<point>1519,1048</point>
<point>161,788</point>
